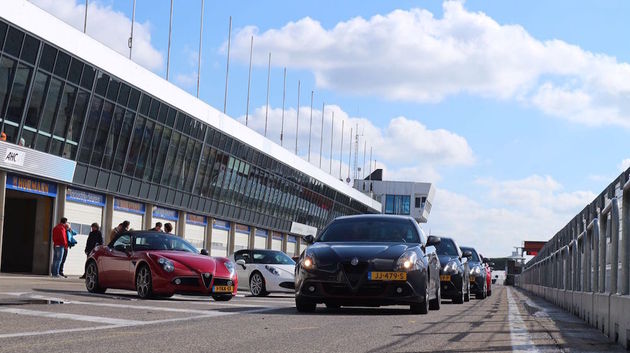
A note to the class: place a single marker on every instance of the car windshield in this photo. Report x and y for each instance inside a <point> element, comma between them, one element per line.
<point>158,241</point>
<point>447,247</point>
<point>371,230</point>
<point>475,256</point>
<point>271,258</point>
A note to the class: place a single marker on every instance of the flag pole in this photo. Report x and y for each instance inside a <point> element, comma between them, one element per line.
<point>341,151</point>
<point>227,67</point>
<point>168,50</point>
<point>85,18</point>
<point>200,42</point>
<point>321,136</point>
<point>268,81</point>
<point>133,19</point>
<point>297,124</point>
<point>310,128</point>
<point>332,135</point>
<point>249,80</point>
<point>284,94</point>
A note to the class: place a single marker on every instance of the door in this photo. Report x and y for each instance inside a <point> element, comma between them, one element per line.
<point>115,268</point>
<point>243,271</point>
<point>18,234</point>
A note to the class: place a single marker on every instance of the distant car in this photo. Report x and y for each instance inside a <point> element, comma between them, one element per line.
<point>369,260</point>
<point>455,272</point>
<point>478,274</point>
<point>157,264</point>
<point>265,271</point>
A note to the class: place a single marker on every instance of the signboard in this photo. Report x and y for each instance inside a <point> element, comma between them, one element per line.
<point>533,247</point>
<point>85,197</point>
<point>225,225</point>
<point>261,233</point>
<point>165,213</point>
<point>26,160</point>
<point>195,219</point>
<point>128,206</point>
<point>242,228</point>
<point>33,186</point>
<point>277,236</point>
<point>302,229</point>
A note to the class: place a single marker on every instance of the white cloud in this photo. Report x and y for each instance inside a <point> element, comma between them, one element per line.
<point>407,148</point>
<point>625,164</point>
<point>109,27</point>
<point>507,213</point>
<point>414,56</point>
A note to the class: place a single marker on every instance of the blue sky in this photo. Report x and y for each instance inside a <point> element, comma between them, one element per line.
<point>514,109</point>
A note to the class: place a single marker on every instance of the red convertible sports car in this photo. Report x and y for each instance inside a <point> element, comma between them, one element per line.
<point>158,264</point>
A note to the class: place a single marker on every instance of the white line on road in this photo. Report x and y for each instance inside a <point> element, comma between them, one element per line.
<point>76,317</point>
<point>519,335</point>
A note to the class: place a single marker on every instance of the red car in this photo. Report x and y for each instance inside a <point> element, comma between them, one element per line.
<point>158,264</point>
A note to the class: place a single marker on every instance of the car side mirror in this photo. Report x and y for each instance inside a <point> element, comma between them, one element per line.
<point>309,239</point>
<point>204,252</point>
<point>433,240</point>
<point>241,262</point>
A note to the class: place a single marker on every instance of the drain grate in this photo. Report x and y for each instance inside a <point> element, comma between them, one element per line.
<point>7,302</point>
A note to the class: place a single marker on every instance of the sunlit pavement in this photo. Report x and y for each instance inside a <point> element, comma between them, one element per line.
<point>42,314</point>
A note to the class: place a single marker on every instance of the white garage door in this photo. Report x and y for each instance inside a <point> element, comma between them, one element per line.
<point>219,242</point>
<point>241,240</point>
<point>196,235</point>
<point>260,240</point>
<point>80,216</point>
<point>136,221</point>
<point>276,242</point>
<point>291,242</point>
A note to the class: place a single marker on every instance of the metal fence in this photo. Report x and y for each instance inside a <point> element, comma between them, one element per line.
<point>585,267</point>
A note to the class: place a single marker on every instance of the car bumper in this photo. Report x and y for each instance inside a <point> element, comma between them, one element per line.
<point>191,285</point>
<point>451,288</point>
<point>319,289</point>
<point>476,284</point>
<point>280,284</point>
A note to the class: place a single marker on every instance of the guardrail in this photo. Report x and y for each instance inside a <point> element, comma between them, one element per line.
<point>585,267</point>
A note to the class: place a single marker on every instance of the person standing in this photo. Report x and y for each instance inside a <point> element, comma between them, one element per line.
<point>70,242</point>
<point>60,243</point>
<point>119,229</point>
<point>95,238</point>
<point>158,227</point>
<point>168,228</point>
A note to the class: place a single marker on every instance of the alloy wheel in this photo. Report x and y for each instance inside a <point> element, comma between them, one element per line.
<point>143,282</point>
<point>256,284</point>
<point>91,277</point>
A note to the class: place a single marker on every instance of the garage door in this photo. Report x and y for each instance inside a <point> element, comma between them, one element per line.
<point>220,233</point>
<point>125,210</point>
<point>82,209</point>
<point>260,240</point>
<point>241,237</point>
<point>291,245</point>
<point>165,215</point>
<point>196,235</point>
<point>276,242</point>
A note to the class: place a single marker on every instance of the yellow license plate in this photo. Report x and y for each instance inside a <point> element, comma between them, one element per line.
<point>387,276</point>
<point>445,278</point>
<point>222,289</point>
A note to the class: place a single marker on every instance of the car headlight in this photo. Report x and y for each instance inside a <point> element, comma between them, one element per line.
<point>308,262</point>
<point>167,265</point>
<point>451,267</point>
<point>476,271</point>
<point>408,261</point>
<point>229,265</point>
<point>272,270</point>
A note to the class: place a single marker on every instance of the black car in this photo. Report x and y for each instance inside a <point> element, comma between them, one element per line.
<point>478,280</point>
<point>454,272</point>
<point>369,260</point>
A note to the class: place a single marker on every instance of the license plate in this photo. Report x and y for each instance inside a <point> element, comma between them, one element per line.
<point>387,276</point>
<point>222,289</point>
<point>446,278</point>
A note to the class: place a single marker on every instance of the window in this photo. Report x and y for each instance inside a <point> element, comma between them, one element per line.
<point>120,242</point>
<point>417,202</point>
<point>397,204</point>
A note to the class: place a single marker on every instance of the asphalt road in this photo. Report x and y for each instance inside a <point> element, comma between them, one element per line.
<point>41,314</point>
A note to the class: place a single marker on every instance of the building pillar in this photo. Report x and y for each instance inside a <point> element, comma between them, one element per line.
<point>108,218</point>
<point>252,237</point>
<point>148,216</point>
<point>231,235</point>
<point>209,227</point>
<point>285,237</point>
<point>181,224</point>
<point>269,239</point>
<point>61,202</point>
<point>3,191</point>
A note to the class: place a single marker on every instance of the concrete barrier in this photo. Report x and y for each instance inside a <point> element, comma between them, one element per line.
<point>620,319</point>
<point>601,308</point>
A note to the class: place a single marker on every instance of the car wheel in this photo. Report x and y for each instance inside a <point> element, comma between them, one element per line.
<point>257,285</point>
<point>332,306</point>
<point>422,308</point>
<point>467,295</point>
<point>304,306</point>
<point>222,298</point>
<point>459,299</point>
<point>489,292</point>
<point>144,284</point>
<point>485,291</point>
<point>91,279</point>
<point>435,303</point>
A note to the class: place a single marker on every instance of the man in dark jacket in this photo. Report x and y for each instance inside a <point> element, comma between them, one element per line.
<point>95,238</point>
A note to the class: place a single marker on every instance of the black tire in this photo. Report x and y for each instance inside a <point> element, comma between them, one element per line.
<point>257,285</point>
<point>332,306</point>
<point>91,279</point>
<point>422,308</point>
<point>144,282</point>
<point>222,298</point>
<point>489,292</point>
<point>435,303</point>
<point>304,306</point>
<point>467,295</point>
<point>459,299</point>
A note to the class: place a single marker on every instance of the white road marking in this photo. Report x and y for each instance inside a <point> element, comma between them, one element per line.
<point>519,335</point>
<point>64,316</point>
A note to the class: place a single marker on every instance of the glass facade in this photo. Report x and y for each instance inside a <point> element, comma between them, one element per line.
<point>128,143</point>
<point>397,204</point>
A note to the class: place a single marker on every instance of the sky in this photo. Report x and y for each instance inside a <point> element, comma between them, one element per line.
<point>517,111</point>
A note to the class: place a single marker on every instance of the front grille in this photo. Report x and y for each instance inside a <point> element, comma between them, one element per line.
<point>207,279</point>
<point>287,285</point>
<point>187,281</point>
<point>223,282</point>
<point>355,273</point>
<point>367,289</point>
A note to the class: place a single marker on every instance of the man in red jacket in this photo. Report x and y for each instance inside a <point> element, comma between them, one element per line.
<point>60,244</point>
